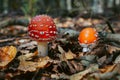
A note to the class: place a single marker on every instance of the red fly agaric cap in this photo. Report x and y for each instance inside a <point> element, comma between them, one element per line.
<point>42,28</point>
<point>88,36</point>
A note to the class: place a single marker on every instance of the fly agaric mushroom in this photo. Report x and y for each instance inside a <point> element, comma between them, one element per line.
<point>87,38</point>
<point>42,29</point>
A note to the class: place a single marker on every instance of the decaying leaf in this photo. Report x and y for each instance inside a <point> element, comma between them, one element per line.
<point>117,60</point>
<point>34,65</point>
<point>69,55</point>
<point>28,66</point>
<point>7,54</point>
<point>80,75</point>
<point>108,68</point>
<point>27,56</point>
<point>104,76</point>
<point>112,49</point>
<point>62,55</point>
<point>43,62</point>
<point>117,68</point>
<point>61,49</point>
<point>65,55</point>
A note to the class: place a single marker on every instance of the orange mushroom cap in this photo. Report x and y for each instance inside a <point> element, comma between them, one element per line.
<point>88,36</point>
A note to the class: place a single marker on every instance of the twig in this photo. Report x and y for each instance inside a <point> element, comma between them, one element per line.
<point>110,27</point>
<point>108,23</point>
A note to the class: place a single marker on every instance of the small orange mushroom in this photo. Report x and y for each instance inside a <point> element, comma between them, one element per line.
<point>87,37</point>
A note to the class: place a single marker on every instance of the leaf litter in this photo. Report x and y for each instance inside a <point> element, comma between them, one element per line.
<point>66,61</point>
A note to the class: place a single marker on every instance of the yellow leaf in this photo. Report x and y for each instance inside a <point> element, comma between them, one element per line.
<point>7,54</point>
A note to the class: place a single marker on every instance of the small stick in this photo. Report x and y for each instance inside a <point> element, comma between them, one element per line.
<point>110,27</point>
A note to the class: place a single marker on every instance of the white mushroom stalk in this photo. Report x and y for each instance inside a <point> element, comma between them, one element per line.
<point>42,49</point>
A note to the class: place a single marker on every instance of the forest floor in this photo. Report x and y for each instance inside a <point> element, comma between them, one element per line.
<point>65,60</point>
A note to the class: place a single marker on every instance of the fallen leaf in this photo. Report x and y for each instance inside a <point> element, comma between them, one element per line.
<point>62,55</point>
<point>112,49</point>
<point>7,54</point>
<point>61,49</point>
<point>117,60</point>
<point>32,65</point>
<point>43,62</point>
<point>27,66</point>
<point>102,59</point>
<point>27,56</point>
<point>108,68</point>
<point>81,75</point>
<point>69,55</point>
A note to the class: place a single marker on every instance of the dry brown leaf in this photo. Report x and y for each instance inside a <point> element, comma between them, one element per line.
<point>112,49</point>
<point>33,66</point>
<point>108,68</point>
<point>35,53</point>
<point>44,62</point>
<point>81,54</point>
<point>102,59</point>
<point>7,54</point>
<point>65,55</point>
<point>82,74</point>
<point>117,60</point>
<point>117,68</point>
<point>62,55</point>
<point>27,66</point>
<point>61,50</point>
<point>27,56</point>
<point>69,55</point>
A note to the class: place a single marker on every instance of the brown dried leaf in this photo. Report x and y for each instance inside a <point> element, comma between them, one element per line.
<point>99,50</point>
<point>62,55</point>
<point>7,54</point>
<point>69,55</point>
<point>27,56</point>
<point>108,68</point>
<point>82,74</point>
<point>117,60</point>
<point>43,62</point>
<point>61,50</point>
<point>112,49</point>
<point>117,68</point>
<point>33,66</point>
<point>65,55</point>
<point>28,66</point>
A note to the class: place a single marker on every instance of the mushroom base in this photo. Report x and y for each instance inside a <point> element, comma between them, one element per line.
<point>42,49</point>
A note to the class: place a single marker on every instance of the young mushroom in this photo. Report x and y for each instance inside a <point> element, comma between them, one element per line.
<point>87,38</point>
<point>42,29</point>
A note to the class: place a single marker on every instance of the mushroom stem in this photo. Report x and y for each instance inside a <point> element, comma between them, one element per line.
<point>42,49</point>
